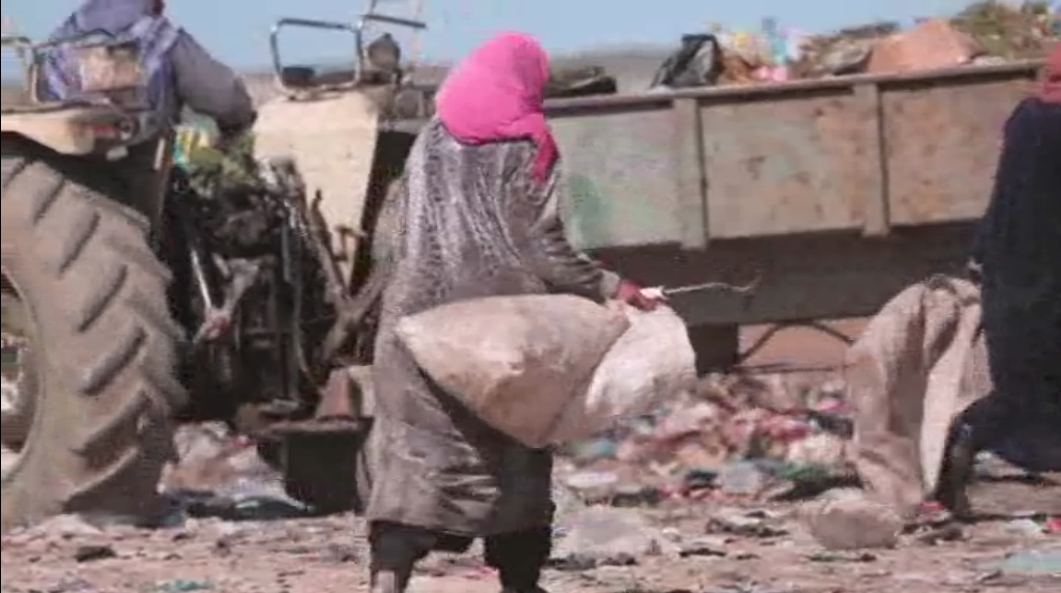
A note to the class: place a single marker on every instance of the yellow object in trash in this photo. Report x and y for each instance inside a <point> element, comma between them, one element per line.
<point>191,137</point>
<point>188,140</point>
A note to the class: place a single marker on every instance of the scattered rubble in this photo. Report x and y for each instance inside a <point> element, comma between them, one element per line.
<point>222,475</point>
<point>736,437</point>
<point>985,32</point>
<point>934,44</point>
<point>599,536</point>
<point>698,484</point>
<point>1009,32</point>
<point>848,520</point>
<point>697,548</point>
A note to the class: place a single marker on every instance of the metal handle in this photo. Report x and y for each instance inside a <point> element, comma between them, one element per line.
<point>274,42</point>
<point>357,30</point>
<point>372,15</point>
<point>391,20</point>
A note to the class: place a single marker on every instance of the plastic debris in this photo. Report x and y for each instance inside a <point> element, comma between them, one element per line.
<point>602,535</point>
<point>1045,560</point>
<point>742,478</point>
<point>221,475</point>
<point>983,33</point>
<point>735,437</point>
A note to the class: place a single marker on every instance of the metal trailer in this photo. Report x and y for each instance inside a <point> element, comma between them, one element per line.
<point>837,193</point>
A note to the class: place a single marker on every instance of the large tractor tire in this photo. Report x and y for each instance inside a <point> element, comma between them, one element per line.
<point>104,346</point>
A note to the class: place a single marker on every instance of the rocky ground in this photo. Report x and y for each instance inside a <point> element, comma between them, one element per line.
<point>671,547</point>
<point>686,501</point>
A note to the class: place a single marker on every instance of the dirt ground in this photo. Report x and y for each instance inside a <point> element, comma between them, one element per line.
<point>802,347</point>
<point>328,555</point>
<point>770,553</point>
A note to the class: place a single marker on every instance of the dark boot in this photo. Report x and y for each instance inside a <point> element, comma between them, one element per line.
<point>981,426</point>
<point>959,465</point>
<point>519,558</point>
<point>395,551</point>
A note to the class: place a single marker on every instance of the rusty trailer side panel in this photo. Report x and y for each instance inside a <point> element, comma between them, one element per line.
<point>863,155</point>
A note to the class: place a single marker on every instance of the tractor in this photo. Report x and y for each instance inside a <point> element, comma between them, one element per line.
<point>133,303</point>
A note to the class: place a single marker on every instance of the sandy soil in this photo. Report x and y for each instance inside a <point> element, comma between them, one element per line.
<point>328,555</point>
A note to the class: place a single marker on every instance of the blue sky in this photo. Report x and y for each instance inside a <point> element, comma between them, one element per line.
<point>237,30</point>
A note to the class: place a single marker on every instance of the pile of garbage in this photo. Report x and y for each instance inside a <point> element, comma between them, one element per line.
<point>735,437</point>
<point>1025,32</point>
<point>985,32</point>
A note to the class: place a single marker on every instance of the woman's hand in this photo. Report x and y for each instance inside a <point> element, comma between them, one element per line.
<point>634,295</point>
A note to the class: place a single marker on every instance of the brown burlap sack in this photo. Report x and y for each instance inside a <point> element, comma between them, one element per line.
<point>919,363</point>
<point>515,361</point>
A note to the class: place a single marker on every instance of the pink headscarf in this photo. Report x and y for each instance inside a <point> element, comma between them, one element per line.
<point>497,94</point>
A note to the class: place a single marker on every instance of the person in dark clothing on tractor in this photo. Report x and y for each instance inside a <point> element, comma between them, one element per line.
<point>1018,252</point>
<point>177,72</point>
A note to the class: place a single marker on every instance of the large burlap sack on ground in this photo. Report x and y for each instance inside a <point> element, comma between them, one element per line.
<point>651,361</point>
<point>515,361</point>
<point>919,363</point>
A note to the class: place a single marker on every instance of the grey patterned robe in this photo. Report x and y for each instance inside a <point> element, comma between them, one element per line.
<point>474,224</point>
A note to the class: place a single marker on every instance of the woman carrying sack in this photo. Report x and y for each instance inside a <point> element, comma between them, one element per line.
<point>480,218</point>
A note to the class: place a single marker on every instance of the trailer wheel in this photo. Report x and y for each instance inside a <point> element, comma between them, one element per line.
<point>104,349</point>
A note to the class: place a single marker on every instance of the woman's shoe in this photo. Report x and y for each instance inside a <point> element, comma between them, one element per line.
<point>959,464</point>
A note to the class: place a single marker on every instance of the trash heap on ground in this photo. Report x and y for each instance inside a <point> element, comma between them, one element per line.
<point>736,437</point>
<point>984,33</point>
